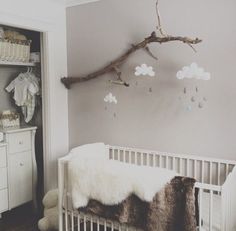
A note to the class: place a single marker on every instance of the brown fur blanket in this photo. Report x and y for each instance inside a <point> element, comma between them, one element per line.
<point>172,209</point>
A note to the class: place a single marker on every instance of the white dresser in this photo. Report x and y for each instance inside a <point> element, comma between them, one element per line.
<point>18,172</point>
<point>3,178</point>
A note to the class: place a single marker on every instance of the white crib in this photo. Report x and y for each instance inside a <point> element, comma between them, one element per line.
<point>216,181</point>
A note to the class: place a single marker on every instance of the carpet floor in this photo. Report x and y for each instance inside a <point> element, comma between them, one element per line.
<point>22,218</point>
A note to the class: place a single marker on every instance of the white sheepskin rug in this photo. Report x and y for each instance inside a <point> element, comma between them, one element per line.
<point>93,176</point>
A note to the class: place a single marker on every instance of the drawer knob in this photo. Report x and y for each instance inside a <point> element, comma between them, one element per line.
<point>21,164</point>
<point>20,142</point>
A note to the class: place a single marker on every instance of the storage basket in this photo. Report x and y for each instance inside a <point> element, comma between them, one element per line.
<point>15,50</point>
<point>9,120</point>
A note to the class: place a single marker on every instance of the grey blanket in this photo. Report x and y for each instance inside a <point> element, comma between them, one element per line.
<point>173,209</point>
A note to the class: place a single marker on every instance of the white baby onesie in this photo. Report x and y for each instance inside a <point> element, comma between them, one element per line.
<point>25,87</point>
<point>20,85</point>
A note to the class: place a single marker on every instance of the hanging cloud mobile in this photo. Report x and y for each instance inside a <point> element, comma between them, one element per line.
<point>193,71</point>
<point>144,70</point>
<point>110,98</point>
<point>193,97</point>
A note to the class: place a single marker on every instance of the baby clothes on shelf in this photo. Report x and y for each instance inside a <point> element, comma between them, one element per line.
<point>25,86</point>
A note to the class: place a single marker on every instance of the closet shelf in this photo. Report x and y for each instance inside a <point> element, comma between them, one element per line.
<point>6,63</point>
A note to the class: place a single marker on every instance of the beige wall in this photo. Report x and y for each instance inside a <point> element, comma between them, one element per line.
<point>98,32</point>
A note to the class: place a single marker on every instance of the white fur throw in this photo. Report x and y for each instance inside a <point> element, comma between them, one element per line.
<point>94,176</point>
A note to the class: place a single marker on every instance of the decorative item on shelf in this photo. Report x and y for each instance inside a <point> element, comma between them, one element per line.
<point>9,119</point>
<point>35,57</point>
<point>15,50</point>
<point>14,47</point>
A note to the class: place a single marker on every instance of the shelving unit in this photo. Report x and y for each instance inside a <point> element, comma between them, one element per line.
<point>6,63</point>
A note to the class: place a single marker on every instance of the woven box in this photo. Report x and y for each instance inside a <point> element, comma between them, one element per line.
<point>14,50</point>
<point>9,120</point>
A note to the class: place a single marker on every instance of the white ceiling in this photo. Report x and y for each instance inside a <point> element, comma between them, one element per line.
<point>70,3</point>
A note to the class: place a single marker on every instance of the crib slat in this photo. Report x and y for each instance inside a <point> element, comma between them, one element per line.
<point>210,210</point>
<point>78,222</point>
<point>98,225</point>
<point>218,173</point>
<point>200,209</point>
<point>119,154</point>
<point>203,169</point>
<point>112,226</point>
<point>226,171</point>
<point>66,219</point>
<point>149,160</point>
<point>194,169</point>
<point>160,161</point>
<point>142,158</point>
<point>135,157</point>
<point>85,227</point>
<point>187,160</point>
<point>72,220</point>
<point>210,171</point>
<point>91,223</point>
<point>105,225</point>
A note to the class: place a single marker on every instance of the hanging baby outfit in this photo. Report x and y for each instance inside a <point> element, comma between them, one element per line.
<point>25,87</point>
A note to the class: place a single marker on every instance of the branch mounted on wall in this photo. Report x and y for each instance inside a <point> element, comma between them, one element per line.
<point>115,65</point>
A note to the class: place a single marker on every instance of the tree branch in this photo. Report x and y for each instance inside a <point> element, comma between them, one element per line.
<point>119,79</point>
<point>150,53</point>
<point>159,26</point>
<point>119,61</point>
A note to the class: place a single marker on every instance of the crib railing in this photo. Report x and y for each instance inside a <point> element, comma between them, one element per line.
<point>78,221</point>
<point>204,170</point>
<point>210,173</point>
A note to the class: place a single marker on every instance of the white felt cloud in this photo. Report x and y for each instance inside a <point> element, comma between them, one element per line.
<point>110,98</point>
<point>193,71</point>
<point>144,70</point>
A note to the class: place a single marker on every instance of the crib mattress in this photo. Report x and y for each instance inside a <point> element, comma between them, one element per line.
<point>216,216</point>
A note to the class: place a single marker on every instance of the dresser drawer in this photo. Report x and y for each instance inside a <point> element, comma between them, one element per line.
<point>3,200</point>
<point>20,178</point>
<point>3,178</point>
<point>3,157</point>
<point>19,142</point>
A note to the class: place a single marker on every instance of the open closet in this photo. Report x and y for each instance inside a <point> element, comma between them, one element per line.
<point>21,120</point>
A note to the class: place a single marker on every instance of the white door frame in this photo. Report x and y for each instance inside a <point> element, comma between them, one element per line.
<point>46,30</point>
